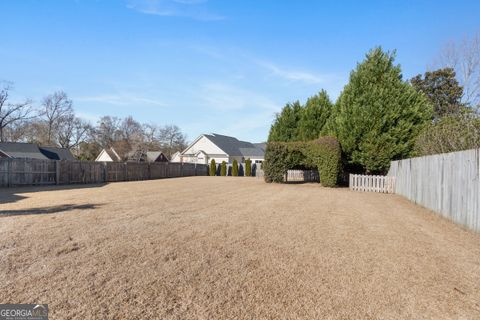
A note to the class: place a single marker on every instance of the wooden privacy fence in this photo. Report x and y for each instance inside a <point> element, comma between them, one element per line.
<point>21,172</point>
<point>302,176</point>
<point>382,184</point>
<point>448,184</point>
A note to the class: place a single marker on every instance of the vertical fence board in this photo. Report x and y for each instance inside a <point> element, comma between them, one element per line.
<point>20,172</point>
<point>448,184</point>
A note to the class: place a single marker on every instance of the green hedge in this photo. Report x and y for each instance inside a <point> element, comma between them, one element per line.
<point>213,168</point>
<point>235,168</point>
<point>323,154</point>
<point>248,168</point>
<point>223,169</point>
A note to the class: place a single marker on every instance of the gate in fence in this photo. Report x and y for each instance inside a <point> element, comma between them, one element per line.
<point>365,183</point>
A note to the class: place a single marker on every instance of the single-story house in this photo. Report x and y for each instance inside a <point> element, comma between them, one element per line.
<point>221,148</point>
<point>20,150</point>
<point>176,157</point>
<point>147,156</point>
<point>56,153</point>
<point>108,155</point>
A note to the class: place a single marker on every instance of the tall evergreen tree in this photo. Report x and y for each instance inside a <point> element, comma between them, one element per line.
<point>285,126</point>
<point>314,116</point>
<point>442,90</point>
<point>378,115</point>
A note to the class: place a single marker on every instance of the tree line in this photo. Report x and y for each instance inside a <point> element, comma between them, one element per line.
<point>54,123</point>
<point>380,117</point>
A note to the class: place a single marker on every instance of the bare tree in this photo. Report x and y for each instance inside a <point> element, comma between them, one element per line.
<point>172,139</point>
<point>57,108</point>
<point>11,113</point>
<point>464,58</point>
<point>72,132</point>
<point>107,131</point>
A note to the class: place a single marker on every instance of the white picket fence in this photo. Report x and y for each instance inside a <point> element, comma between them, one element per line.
<point>381,184</point>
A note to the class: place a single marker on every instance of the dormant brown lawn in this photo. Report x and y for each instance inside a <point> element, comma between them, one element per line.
<point>233,248</point>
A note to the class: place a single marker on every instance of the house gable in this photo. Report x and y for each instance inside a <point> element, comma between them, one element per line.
<point>204,144</point>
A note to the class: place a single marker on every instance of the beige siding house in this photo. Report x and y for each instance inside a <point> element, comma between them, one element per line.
<point>221,148</point>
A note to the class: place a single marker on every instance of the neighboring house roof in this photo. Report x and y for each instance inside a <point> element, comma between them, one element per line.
<point>153,156</point>
<point>234,147</point>
<point>21,150</point>
<point>113,155</point>
<point>261,145</point>
<point>56,153</point>
<point>149,156</point>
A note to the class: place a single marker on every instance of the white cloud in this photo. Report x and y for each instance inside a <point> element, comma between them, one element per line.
<point>195,9</point>
<point>293,75</point>
<point>226,98</point>
<point>88,116</point>
<point>121,100</point>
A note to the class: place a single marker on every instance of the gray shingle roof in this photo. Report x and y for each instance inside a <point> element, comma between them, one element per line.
<point>56,153</point>
<point>33,151</point>
<point>22,150</point>
<point>234,147</point>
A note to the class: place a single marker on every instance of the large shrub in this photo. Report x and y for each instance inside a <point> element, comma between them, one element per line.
<point>213,167</point>
<point>275,164</point>
<point>248,167</point>
<point>449,134</point>
<point>235,168</point>
<point>323,154</point>
<point>223,169</point>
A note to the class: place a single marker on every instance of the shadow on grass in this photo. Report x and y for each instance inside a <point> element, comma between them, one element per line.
<point>49,210</point>
<point>9,195</point>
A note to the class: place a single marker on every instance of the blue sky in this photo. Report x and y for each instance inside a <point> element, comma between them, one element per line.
<point>222,66</point>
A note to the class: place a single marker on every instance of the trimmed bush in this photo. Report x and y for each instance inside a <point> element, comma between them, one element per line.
<point>213,167</point>
<point>248,168</point>
<point>235,168</point>
<point>323,154</point>
<point>275,164</point>
<point>223,169</point>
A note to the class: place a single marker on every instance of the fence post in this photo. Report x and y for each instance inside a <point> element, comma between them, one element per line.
<point>9,172</point>
<point>57,172</point>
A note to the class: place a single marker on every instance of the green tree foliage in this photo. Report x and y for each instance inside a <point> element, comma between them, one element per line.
<point>323,154</point>
<point>235,168</point>
<point>276,164</point>
<point>451,133</point>
<point>213,167</point>
<point>378,115</point>
<point>248,168</point>
<point>285,126</point>
<point>223,169</point>
<point>442,90</point>
<point>314,116</point>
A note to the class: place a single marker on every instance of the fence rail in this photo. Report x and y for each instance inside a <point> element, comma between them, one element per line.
<point>365,183</point>
<point>27,172</point>
<point>448,184</point>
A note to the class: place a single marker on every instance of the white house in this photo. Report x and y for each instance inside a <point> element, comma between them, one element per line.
<point>221,148</point>
<point>108,155</point>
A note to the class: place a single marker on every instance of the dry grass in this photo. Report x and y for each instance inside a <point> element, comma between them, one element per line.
<point>233,248</point>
